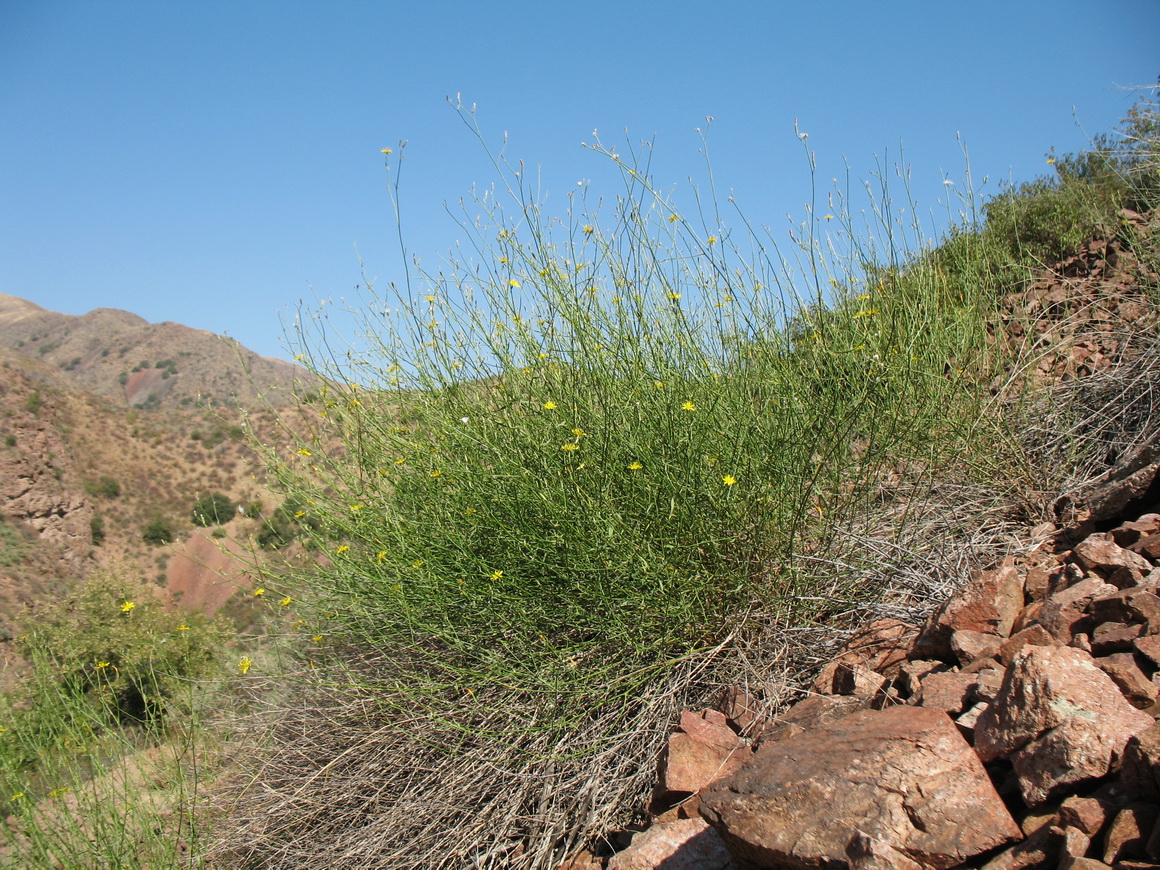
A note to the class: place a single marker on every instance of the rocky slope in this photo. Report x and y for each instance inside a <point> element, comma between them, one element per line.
<point>1015,727</point>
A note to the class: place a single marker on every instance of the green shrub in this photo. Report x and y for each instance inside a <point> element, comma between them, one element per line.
<point>104,487</point>
<point>157,531</point>
<point>33,403</point>
<point>213,510</point>
<point>97,530</point>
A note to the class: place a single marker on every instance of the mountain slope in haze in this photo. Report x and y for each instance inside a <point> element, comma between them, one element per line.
<point>135,363</point>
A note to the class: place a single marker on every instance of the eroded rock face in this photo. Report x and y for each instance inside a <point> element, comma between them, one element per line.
<point>1058,718</point>
<point>902,777</point>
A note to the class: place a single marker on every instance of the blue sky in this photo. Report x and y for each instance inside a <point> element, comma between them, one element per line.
<point>213,163</point>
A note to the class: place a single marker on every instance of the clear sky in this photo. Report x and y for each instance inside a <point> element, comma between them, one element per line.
<point>213,163</point>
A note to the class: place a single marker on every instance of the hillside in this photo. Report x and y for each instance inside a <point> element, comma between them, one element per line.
<point>134,363</point>
<point>83,474</point>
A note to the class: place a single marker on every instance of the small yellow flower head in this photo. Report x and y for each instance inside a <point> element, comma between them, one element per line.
<point>674,296</point>
<point>589,229</point>
<point>549,405</point>
<point>259,592</point>
<point>436,473</point>
<point>302,451</point>
<point>673,218</point>
<point>688,406</point>
<point>570,446</point>
<point>386,150</point>
<point>712,240</point>
<point>579,433</point>
<point>658,384</point>
<point>400,460</point>
<point>183,627</point>
<point>244,664</point>
<point>356,507</point>
<point>495,575</point>
<point>342,548</point>
<point>16,796</point>
<point>381,556</point>
<point>101,665</point>
<point>729,480</point>
<point>299,514</point>
<point>514,284</point>
<point>635,466</point>
<point>429,298</point>
<point>286,602</point>
<point>127,606</point>
<point>317,638</point>
<point>417,564</point>
<point>57,792</point>
<point>1050,161</point>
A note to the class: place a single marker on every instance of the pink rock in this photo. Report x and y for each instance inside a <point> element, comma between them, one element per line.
<point>1127,836</point>
<point>903,776</point>
<point>867,853</point>
<point>1065,610</point>
<point>1137,688</point>
<point>988,604</point>
<point>704,749</point>
<point>949,691</point>
<point>969,646</point>
<point>1126,605</point>
<point>1034,635</point>
<point>1059,719</point>
<point>687,844</point>
<point>1038,850</point>
<point>1141,764</point>
<point>1149,647</point>
<point>1099,552</point>
<point>858,680</point>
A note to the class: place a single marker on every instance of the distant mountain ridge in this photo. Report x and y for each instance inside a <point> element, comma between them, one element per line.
<point>124,358</point>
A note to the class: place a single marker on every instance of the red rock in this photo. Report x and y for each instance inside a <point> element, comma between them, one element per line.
<point>988,604</point>
<point>948,691</point>
<point>1075,845</point>
<point>867,853</point>
<point>1148,547</point>
<point>1127,835</point>
<point>966,723</point>
<point>1087,814</point>
<point>1065,611</point>
<point>1101,554</point>
<point>969,646</point>
<point>1149,647</point>
<point>903,776</point>
<point>1140,769</point>
<point>1084,864</point>
<point>1059,719</point>
<point>741,709</point>
<point>910,675</point>
<point>1136,687</point>
<point>1126,605</point>
<point>1034,635</point>
<point>1113,637</point>
<point>823,683</point>
<point>704,749</point>
<point>1041,849</point>
<point>858,680</point>
<point>688,844</point>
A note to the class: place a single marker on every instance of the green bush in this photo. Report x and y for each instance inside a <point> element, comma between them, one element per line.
<point>157,531</point>
<point>213,509</point>
<point>33,402</point>
<point>104,487</point>
<point>97,530</point>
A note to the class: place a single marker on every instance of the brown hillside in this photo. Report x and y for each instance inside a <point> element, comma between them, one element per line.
<point>122,357</point>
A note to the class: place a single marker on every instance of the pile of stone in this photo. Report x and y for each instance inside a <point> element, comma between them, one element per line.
<point>1016,729</point>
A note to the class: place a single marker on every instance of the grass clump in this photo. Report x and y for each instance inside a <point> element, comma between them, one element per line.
<point>559,486</point>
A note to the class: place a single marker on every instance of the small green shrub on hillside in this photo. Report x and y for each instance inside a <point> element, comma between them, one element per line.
<point>33,402</point>
<point>213,509</point>
<point>97,530</point>
<point>157,531</point>
<point>103,487</point>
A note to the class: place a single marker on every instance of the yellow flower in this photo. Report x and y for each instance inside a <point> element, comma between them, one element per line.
<point>400,460</point>
<point>634,466</point>
<point>417,564</point>
<point>495,575</point>
<point>674,295</point>
<point>549,405</point>
<point>244,664</point>
<point>302,451</point>
<point>570,446</point>
<point>688,406</point>
<point>579,433</point>
<point>259,592</point>
<point>589,229</point>
<point>436,473</point>
<point>712,240</point>
<point>16,796</point>
<point>658,384</point>
<point>729,480</point>
<point>673,218</point>
<point>183,627</point>
<point>317,638</point>
<point>514,283</point>
<point>342,548</point>
<point>57,792</point>
<point>869,312</point>
<point>1050,160</point>
<point>126,606</point>
<point>429,298</point>
<point>386,150</point>
<point>299,514</point>
<point>286,602</point>
<point>356,507</point>
<point>381,556</point>
<point>101,665</point>
<point>829,217</point>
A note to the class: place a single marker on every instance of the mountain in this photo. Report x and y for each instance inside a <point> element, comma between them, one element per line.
<point>134,363</point>
<point>110,425</point>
